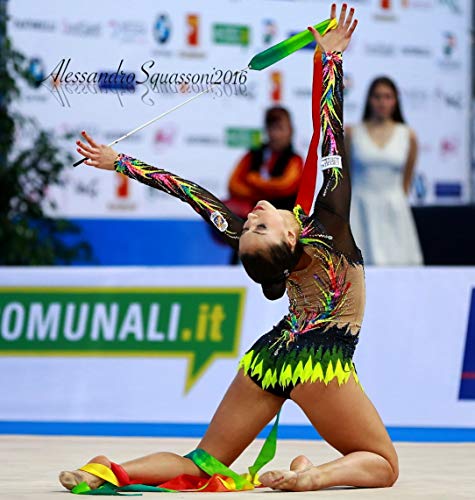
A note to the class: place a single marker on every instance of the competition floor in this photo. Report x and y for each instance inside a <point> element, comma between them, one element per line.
<point>30,465</point>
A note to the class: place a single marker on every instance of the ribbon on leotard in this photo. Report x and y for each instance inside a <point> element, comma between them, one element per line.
<point>309,175</point>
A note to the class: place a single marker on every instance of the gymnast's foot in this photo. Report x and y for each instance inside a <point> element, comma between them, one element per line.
<point>302,476</point>
<point>69,479</point>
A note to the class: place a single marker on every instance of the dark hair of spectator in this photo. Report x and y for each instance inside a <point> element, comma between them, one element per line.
<point>276,114</point>
<point>383,80</point>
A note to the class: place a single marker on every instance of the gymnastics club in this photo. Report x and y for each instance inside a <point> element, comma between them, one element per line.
<point>260,61</point>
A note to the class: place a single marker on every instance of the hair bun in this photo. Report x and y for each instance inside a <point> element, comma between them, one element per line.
<point>274,291</point>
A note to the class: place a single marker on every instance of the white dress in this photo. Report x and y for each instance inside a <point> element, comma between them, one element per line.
<point>381,218</point>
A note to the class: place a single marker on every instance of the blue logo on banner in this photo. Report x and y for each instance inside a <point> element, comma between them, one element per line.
<point>448,189</point>
<point>36,69</point>
<point>467,386</point>
<point>162,28</point>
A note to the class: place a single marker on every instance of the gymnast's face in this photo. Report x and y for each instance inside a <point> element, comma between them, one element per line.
<point>267,226</point>
<point>382,101</point>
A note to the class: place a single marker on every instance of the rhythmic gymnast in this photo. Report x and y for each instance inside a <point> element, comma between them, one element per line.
<point>307,356</point>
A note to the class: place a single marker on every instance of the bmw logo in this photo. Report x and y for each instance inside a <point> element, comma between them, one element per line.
<point>162,28</point>
<point>36,69</point>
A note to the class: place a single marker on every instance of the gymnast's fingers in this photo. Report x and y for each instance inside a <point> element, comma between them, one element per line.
<point>349,18</point>
<point>85,147</point>
<point>333,11</point>
<point>352,29</point>
<point>92,163</point>
<point>89,139</point>
<point>341,21</point>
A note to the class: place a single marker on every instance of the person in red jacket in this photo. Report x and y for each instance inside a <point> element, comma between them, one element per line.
<point>271,172</point>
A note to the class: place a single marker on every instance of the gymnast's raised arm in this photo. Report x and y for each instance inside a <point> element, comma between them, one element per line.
<point>332,206</point>
<point>213,211</point>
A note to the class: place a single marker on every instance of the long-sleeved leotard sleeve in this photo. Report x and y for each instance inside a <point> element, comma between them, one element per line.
<point>332,206</point>
<point>213,211</point>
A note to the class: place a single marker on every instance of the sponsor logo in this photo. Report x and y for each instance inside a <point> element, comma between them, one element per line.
<point>380,49</point>
<point>122,186</point>
<point>416,51</point>
<point>36,69</point>
<point>452,100</point>
<point>417,4</point>
<point>165,135</point>
<point>73,131</point>
<point>303,93</point>
<point>82,29</point>
<point>200,324</point>
<point>449,146</point>
<point>348,87</point>
<point>88,189</point>
<point>192,37</point>
<point>269,31</point>
<point>449,45</point>
<point>448,190</point>
<point>348,84</point>
<point>467,385</point>
<point>415,97</point>
<point>388,5</point>
<point>449,51</point>
<point>203,140</point>
<point>240,137</point>
<point>385,11</point>
<point>452,5</point>
<point>276,86</point>
<point>112,135</point>
<point>34,25</point>
<point>231,34</point>
<point>162,29</point>
<point>193,26</point>
<point>127,31</point>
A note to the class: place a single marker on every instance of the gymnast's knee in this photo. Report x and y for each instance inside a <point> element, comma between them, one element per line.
<point>393,473</point>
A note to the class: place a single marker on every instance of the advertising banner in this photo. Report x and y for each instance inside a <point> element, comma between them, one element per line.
<point>162,345</point>
<point>154,56</point>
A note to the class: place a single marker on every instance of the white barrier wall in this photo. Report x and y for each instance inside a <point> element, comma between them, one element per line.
<point>162,344</point>
<point>424,45</point>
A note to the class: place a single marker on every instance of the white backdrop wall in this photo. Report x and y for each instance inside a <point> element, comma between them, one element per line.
<point>409,357</point>
<point>423,44</point>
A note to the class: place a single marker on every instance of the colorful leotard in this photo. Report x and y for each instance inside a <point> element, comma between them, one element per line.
<point>315,341</point>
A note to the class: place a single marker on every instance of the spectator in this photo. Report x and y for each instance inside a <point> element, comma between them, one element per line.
<point>272,171</point>
<point>383,156</point>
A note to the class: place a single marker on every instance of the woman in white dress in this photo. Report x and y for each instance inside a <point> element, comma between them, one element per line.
<point>383,155</point>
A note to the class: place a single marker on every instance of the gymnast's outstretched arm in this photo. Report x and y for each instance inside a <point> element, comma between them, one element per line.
<point>213,211</point>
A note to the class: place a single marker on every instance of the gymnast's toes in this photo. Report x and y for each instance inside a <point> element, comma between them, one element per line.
<point>279,480</point>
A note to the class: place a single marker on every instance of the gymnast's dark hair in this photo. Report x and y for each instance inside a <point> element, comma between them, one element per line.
<point>272,267</point>
<point>383,80</point>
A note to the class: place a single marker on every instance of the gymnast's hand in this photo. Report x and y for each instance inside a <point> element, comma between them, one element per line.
<point>100,155</point>
<point>337,40</point>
